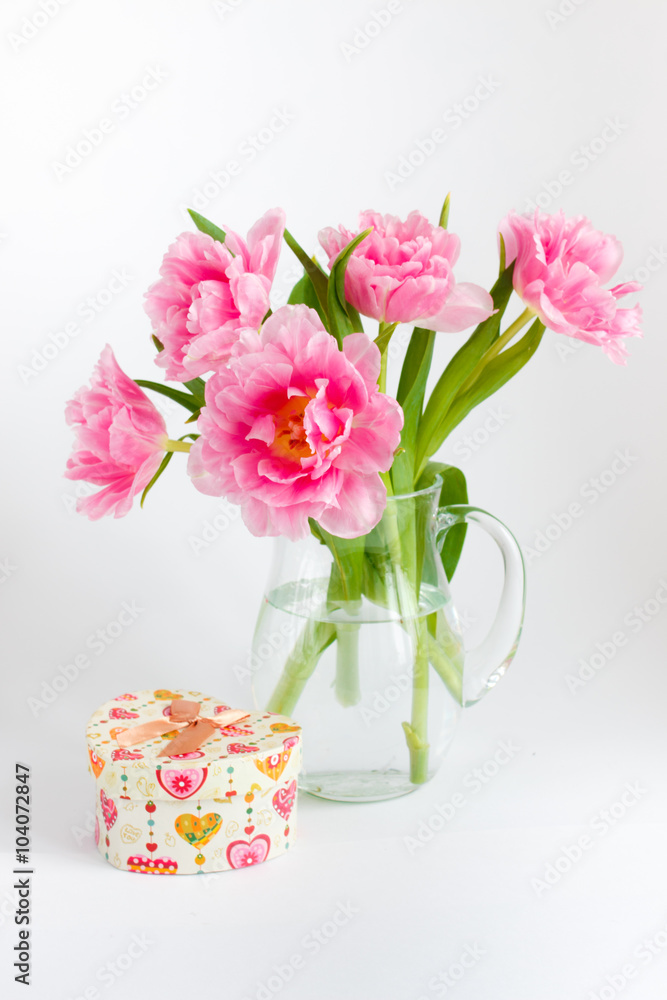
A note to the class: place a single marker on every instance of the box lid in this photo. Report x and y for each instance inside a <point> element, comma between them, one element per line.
<point>261,738</point>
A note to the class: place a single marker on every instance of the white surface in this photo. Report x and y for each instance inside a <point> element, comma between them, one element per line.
<point>564,419</point>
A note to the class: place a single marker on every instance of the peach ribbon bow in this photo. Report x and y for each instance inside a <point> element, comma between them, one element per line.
<point>196,728</point>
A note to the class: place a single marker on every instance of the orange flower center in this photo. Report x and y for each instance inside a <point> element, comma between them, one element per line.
<point>290,440</point>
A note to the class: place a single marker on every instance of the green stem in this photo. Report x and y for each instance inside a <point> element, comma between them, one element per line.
<point>382,381</point>
<point>447,670</point>
<point>382,341</point>
<point>171,445</point>
<point>495,349</point>
<point>346,684</point>
<point>416,733</point>
<point>314,639</point>
<point>407,584</point>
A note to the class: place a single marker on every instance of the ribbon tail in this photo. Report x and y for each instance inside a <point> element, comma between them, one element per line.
<point>189,739</point>
<point>146,731</point>
<point>230,716</point>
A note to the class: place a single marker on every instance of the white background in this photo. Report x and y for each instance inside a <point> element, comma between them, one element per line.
<point>555,81</point>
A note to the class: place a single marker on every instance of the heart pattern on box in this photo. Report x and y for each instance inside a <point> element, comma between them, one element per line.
<point>274,765</point>
<point>181,783</point>
<point>198,829</point>
<point>129,834</point>
<point>124,754</point>
<point>283,800</point>
<point>96,765</point>
<point>235,731</point>
<point>240,748</point>
<point>148,866</point>
<point>243,853</point>
<point>109,811</point>
<point>217,808</point>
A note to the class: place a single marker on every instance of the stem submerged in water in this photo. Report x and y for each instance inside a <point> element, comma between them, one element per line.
<point>407,578</point>
<point>314,639</point>
<point>348,691</point>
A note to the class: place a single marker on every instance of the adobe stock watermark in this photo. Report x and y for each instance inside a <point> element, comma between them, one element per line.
<point>560,14</point>
<point>85,313</point>
<point>7,569</point>
<point>473,782</point>
<point>600,825</point>
<point>656,259</point>
<point>366,33</point>
<point>224,7</point>
<point>590,491</point>
<point>580,159</point>
<point>214,527</point>
<point>266,650</point>
<point>311,944</point>
<point>109,973</point>
<point>84,831</point>
<point>453,117</point>
<point>32,24</point>
<point>121,109</point>
<point>634,621</point>
<point>96,643</point>
<point>651,947</point>
<point>375,704</point>
<point>248,150</point>
<point>471,442</point>
<point>448,978</point>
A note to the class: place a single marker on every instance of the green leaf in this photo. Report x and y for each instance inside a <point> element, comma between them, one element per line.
<point>304,293</point>
<point>343,317</point>
<point>444,215</point>
<point>158,343</point>
<point>498,371</point>
<point>432,428</point>
<point>384,336</point>
<point>410,395</point>
<point>185,399</point>
<point>454,490</point>
<point>317,276</point>
<point>163,465</point>
<point>210,228</point>
<point>347,571</point>
<point>503,254</point>
<point>419,349</point>
<point>197,387</point>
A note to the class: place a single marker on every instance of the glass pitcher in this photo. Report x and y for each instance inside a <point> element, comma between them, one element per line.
<point>359,640</point>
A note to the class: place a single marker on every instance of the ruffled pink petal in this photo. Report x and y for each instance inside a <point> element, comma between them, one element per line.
<point>467,305</point>
<point>364,354</point>
<point>361,502</point>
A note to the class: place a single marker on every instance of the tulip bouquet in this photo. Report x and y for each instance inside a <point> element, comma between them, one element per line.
<point>289,412</point>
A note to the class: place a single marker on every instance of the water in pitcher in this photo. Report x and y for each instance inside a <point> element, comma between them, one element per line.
<point>373,647</point>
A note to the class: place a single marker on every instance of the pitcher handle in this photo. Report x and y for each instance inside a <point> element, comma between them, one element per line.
<point>486,663</point>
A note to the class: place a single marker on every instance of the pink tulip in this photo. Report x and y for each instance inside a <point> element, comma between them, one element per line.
<point>402,273</point>
<point>561,266</point>
<point>209,291</point>
<point>296,428</point>
<point>121,439</point>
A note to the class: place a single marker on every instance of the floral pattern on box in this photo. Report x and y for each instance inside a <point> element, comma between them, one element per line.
<point>231,803</point>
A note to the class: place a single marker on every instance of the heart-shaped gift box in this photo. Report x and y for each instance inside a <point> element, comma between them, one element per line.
<point>224,797</point>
